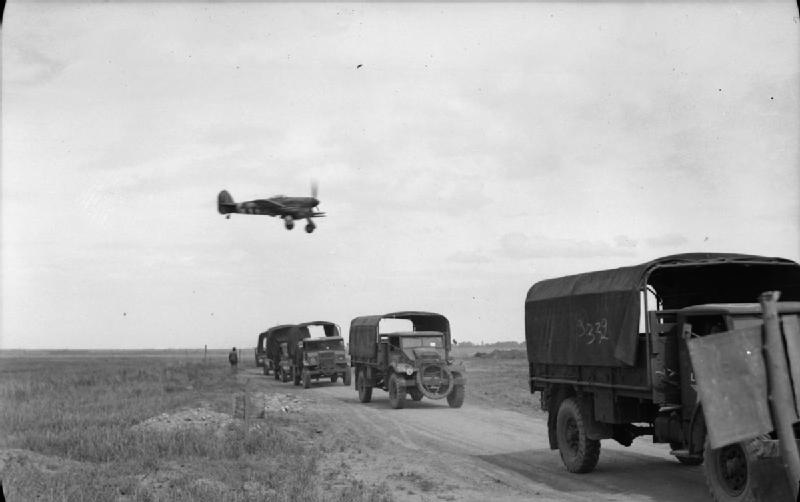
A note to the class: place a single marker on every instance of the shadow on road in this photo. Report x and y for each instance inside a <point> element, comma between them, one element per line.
<point>639,477</point>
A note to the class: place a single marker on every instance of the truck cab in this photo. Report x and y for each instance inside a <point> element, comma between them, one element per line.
<point>324,357</point>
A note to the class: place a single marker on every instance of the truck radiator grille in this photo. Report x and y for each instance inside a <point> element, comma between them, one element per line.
<point>327,359</point>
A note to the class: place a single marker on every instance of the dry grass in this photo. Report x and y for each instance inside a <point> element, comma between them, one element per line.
<point>67,432</point>
<point>499,381</point>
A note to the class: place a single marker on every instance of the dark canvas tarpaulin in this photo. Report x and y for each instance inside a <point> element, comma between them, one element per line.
<point>593,318</point>
<point>585,329</point>
<point>364,330</point>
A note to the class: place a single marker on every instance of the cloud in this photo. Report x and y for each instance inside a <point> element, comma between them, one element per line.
<point>26,66</point>
<point>666,240</point>
<point>519,246</point>
<point>468,257</point>
<point>624,241</point>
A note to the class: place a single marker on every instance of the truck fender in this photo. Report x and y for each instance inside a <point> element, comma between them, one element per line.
<point>557,393</point>
<point>594,429</point>
<point>459,378</point>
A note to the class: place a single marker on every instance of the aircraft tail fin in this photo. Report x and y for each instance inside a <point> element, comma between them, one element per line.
<point>225,203</point>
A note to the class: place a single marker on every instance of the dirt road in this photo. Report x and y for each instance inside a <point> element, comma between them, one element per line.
<point>428,451</point>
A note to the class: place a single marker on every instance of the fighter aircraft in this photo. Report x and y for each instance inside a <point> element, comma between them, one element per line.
<point>288,208</point>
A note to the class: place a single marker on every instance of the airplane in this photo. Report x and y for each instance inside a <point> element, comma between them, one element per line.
<point>288,208</point>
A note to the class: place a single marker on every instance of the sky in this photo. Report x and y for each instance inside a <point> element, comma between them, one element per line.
<point>463,152</point>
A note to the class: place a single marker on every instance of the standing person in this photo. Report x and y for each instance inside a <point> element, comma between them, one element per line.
<point>233,358</point>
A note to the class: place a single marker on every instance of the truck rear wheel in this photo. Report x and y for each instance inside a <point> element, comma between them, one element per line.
<point>334,378</point>
<point>266,370</point>
<point>295,376</point>
<point>364,390</point>
<point>415,394</point>
<point>397,393</point>
<point>456,398</point>
<point>346,377</point>
<point>578,452</point>
<point>729,472</point>
<point>306,379</point>
<point>284,376</point>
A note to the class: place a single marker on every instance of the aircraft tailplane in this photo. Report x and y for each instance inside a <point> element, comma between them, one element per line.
<point>225,203</point>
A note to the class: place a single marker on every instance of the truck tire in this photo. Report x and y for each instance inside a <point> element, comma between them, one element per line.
<point>729,472</point>
<point>295,376</point>
<point>334,378</point>
<point>284,376</point>
<point>397,392</point>
<point>578,452</point>
<point>306,379</point>
<point>456,398</point>
<point>364,390</point>
<point>415,394</point>
<point>346,377</point>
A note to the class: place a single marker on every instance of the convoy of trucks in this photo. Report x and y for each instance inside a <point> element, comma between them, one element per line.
<point>675,348</point>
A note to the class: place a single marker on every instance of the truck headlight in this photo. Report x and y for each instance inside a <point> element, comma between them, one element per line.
<point>409,371</point>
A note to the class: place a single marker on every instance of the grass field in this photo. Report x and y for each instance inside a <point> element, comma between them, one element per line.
<point>69,431</point>
<point>92,426</point>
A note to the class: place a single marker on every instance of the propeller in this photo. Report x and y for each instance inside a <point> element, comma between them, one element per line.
<point>314,188</point>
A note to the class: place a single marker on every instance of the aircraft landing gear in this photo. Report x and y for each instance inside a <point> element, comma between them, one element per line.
<point>227,217</point>
<point>310,226</point>
<point>289,222</point>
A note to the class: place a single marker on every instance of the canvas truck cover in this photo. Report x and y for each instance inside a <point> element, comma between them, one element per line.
<point>274,336</point>
<point>364,330</point>
<point>592,319</point>
<point>330,328</point>
<point>300,332</point>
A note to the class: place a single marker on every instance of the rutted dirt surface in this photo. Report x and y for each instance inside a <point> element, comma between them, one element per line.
<point>432,452</point>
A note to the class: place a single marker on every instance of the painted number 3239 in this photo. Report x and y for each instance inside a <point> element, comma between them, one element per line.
<point>592,332</point>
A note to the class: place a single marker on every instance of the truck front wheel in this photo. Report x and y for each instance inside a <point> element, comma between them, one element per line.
<point>730,472</point>
<point>397,393</point>
<point>456,398</point>
<point>364,390</point>
<point>578,452</point>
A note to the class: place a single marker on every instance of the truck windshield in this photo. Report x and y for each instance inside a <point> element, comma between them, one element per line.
<point>417,342</point>
<point>325,345</point>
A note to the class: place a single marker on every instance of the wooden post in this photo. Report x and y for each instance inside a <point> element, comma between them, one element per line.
<point>780,392</point>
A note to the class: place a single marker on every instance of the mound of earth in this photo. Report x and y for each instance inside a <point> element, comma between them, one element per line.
<point>502,354</point>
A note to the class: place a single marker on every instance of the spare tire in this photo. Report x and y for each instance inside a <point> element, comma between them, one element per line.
<point>435,380</point>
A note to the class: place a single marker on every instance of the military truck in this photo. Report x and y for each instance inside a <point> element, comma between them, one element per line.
<point>315,357</point>
<point>415,363</point>
<point>271,340</point>
<point>609,353</point>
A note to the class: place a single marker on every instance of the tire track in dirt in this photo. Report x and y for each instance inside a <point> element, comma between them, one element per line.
<point>477,453</point>
<point>513,448</point>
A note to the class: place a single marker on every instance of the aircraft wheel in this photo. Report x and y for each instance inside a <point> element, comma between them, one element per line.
<point>310,228</point>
